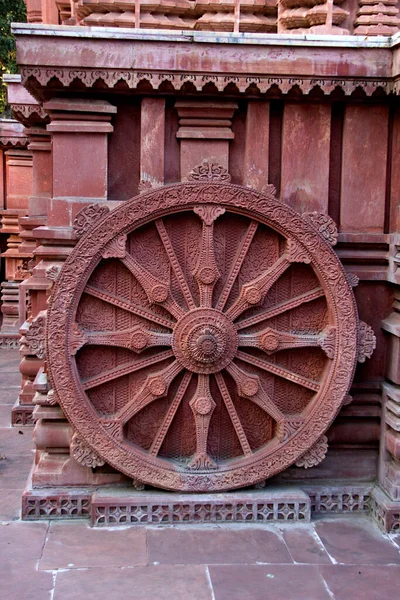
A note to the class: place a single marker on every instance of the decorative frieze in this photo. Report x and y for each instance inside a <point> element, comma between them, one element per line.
<point>261,84</point>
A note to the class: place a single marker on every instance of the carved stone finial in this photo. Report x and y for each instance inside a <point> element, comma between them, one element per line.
<point>325,225</point>
<point>53,272</point>
<point>83,454</point>
<point>269,190</point>
<point>366,341</point>
<point>209,172</point>
<point>146,186</point>
<point>315,454</point>
<point>52,398</point>
<point>35,335</point>
<point>353,279</point>
<point>86,218</point>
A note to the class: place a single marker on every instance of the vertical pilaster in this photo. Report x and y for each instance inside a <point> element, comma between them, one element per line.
<point>205,130</point>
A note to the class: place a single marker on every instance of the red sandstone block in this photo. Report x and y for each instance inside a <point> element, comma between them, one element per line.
<point>357,543</point>
<point>146,583</point>
<point>76,545</point>
<point>363,184</point>
<point>305,157</point>
<point>303,546</point>
<point>216,546</point>
<point>365,582</point>
<point>268,582</point>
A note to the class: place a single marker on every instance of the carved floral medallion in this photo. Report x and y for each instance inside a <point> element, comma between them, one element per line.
<point>202,336</point>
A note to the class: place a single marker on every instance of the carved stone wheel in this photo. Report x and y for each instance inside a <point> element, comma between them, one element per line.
<point>202,336</point>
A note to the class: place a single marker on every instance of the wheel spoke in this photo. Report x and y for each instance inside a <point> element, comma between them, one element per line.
<point>136,339</point>
<point>233,415</point>
<point>156,386</point>
<point>125,369</point>
<point>202,405</point>
<point>237,263</point>
<point>166,424</point>
<point>280,371</point>
<point>281,308</point>
<point>175,263</point>
<point>206,272</point>
<point>128,306</point>
<point>156,290</point>
<point>254,292</point>
<point>270,340</point>
<point>249,386</point>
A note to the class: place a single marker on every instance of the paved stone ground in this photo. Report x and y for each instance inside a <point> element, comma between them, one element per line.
<point>333,558</point>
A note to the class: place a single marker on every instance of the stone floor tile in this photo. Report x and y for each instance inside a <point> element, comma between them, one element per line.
<point>14,469</point>
<point>137,583</point>
<point>21,581</point>
<point>77,545</point>
<point>16,441</point>
<point>356,541</point>
<point>303,546</point>
<point>362,582</point>
<point>10,504</point>
<point>8,393</point>
<point>215,545</point>
<point>5,415</point>
<point>268,582</point>
<point>22,542</point>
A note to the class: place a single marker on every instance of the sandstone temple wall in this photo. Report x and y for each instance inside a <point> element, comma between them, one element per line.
<point>317,119</point>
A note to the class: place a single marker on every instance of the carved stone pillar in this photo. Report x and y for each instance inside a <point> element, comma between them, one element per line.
<point>30,114</point>
<point>18,185</point>
<point>79,131</point>
<point>205,130</point>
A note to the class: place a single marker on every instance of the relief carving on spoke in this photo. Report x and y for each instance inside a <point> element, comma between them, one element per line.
<point>214,342</point>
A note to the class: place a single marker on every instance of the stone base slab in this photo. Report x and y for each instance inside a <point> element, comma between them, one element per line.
<point>113,506</point>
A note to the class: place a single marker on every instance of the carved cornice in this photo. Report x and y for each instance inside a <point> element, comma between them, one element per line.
<point>30,113</point>
<point>240,83</point>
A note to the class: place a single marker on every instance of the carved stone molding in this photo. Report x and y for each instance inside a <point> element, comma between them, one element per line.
<point>191,337</point>
<point>115,77</point>
<point>315,455</point>
<point>86,218</point>
<point>83,454</point>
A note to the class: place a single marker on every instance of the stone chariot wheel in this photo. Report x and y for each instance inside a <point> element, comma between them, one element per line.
<point>201,337</point>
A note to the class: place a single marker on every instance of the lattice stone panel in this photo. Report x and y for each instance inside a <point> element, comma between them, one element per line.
<point>247,507</point>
